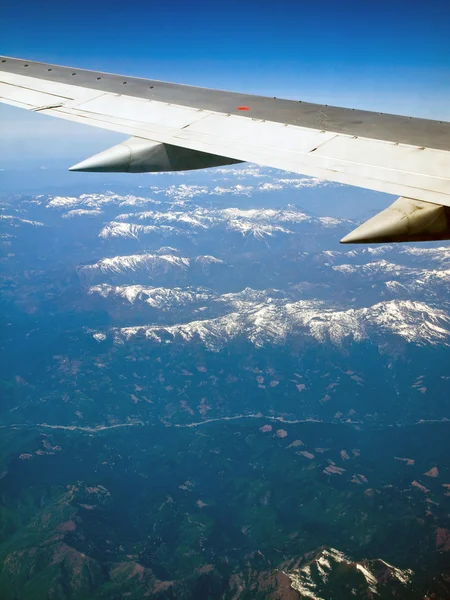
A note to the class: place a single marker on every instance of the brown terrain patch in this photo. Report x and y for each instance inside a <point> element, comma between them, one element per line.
<point>333,470</point>
<point>185,406</point>
<point>359,479</point>
<point>443,539</point>
<point>67,526</point>
<point>433,472</point>
<point>203,407</point>
<point>421,487</point>
<point>271,585</point>
<point>306,454</point>
<point>281,433</point>
<point>266,428</point>
<point>296,443</point>
<point>205,569</point>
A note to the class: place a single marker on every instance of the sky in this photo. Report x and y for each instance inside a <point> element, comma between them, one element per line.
<point>377,55</point>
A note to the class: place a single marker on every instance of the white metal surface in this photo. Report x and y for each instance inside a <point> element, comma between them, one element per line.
<point>400,169</point>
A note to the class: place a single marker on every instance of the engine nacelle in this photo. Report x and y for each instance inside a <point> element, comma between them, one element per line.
<point>406,220</point>
<point>138,155</point>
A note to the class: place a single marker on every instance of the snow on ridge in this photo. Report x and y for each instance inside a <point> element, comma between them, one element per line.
<point>411,278</point>
<point>330,221</point>
<point>180,193</point>
<point>250,170</point>
<point>184,191</point>
<point>379,267</point>
<point>154,262</point>
<point>133,262</point>
<point>208,259</point>
<point>277,175</point>
<point>304,182</point>
<point>257,230</point>
<point>272,322</point>
<point>167,298</point>
<point>156,297</point>
<point>197,217</point>
<point>248,298</point>
<point>426,283</point>
<point>82,212</point>
<point>440,255</point>
<point>204,217</point>
<point>167,250</point>
<point>97,201</point>
<point>310,578</point>
<point>260,223</point>
<point>269,186</point>
<point>369,250</point>
<point>19,221</point>
<point>266,215</point>
<point>116,229</point>
<point>233,190</point>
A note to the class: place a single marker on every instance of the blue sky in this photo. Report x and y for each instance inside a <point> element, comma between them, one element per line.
<point>389,56</point>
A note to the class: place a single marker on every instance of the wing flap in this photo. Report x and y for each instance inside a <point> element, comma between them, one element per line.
<point>61,91</point>
<point>24,96</point>
<point>143,111</point>
<point>388,155</point>
<point>265,134</point>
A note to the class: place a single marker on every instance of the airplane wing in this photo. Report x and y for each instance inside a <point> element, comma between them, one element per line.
<point>177,127</point>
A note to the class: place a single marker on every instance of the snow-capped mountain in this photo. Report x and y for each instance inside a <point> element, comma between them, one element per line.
<point>164,299</point>
<point>152,263</point>
<point>384,270</point>
<point>267,274</point>
<point>274,322</point>
<point>15,221</point>
<point>331,574</point>
<point>96,201</point>
<point>259,223</point>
